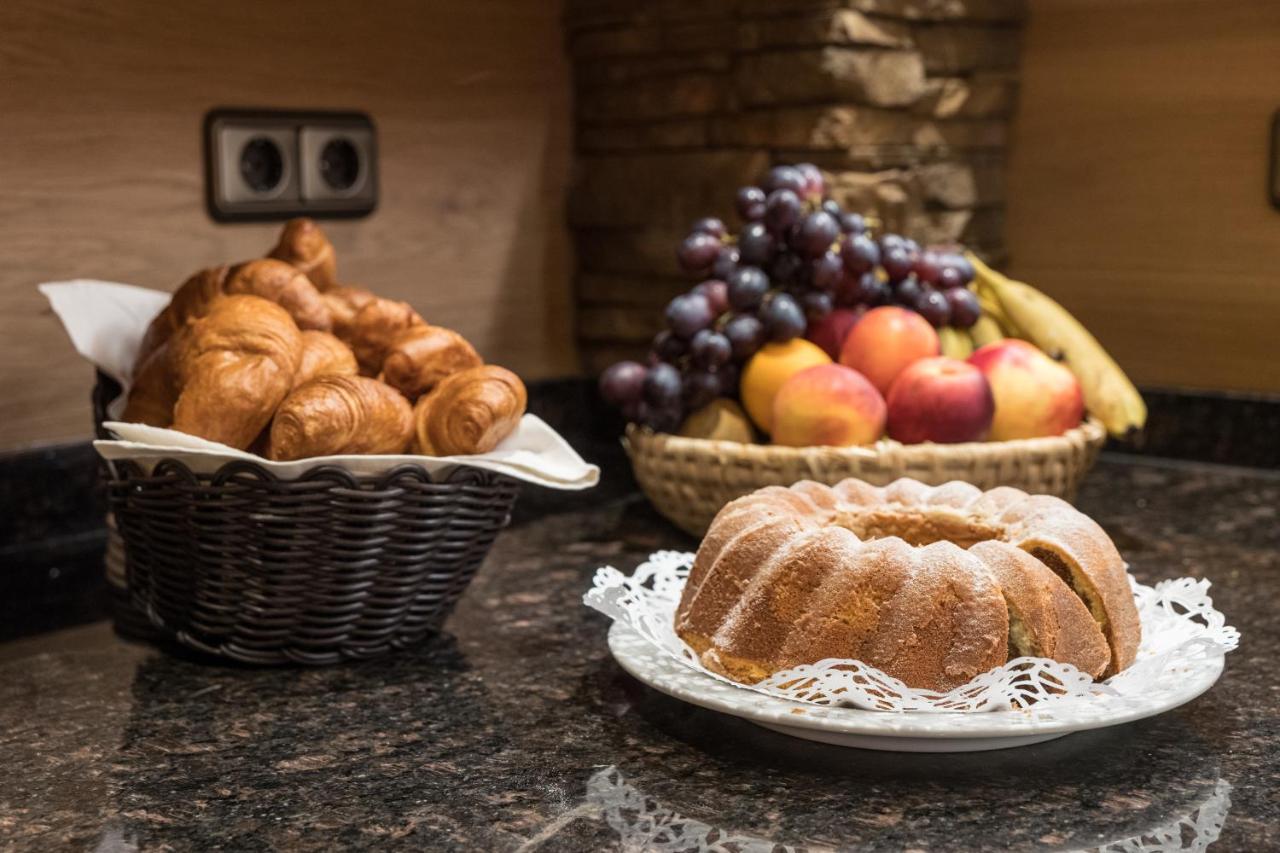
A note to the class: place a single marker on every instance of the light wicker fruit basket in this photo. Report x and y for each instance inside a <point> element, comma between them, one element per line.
<point>688,480</point>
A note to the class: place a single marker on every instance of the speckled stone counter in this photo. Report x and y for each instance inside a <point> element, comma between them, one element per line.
<point>516,731</point>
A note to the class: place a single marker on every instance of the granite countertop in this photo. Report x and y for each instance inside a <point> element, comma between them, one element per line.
<point>516,731</point>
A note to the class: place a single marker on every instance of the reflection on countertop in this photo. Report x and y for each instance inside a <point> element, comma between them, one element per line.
<point>516,730</point>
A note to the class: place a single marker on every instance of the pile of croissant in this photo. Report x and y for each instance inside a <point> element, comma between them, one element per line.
<point>276,357</point>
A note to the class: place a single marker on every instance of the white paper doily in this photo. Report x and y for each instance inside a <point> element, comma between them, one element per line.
<point>1026,700</point>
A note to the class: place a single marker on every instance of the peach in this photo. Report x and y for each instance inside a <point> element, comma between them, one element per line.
<point>885,341</point>
<point>830,332</point>
<point>771,366</point>
<point>829,404</point>
<point>940,399</point>
<point>1034,394</point>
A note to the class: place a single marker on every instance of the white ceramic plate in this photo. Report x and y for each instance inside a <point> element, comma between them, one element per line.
<point>903,732</point>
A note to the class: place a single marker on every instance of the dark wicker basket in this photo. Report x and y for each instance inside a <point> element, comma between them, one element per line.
<point>325,568</point>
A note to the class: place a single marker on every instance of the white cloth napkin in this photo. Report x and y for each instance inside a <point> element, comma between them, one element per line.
<point>106,322</point>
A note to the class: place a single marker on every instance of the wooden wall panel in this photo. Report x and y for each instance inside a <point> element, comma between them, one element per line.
<point>100,164</point>
<point>1137,182</point>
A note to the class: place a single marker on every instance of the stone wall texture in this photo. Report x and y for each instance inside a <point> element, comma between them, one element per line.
<point>904,103</point>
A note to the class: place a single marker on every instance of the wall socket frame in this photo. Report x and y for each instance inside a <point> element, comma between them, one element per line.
<point>263,165</point>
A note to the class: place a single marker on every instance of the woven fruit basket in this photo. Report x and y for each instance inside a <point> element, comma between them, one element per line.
<point>688,480</point>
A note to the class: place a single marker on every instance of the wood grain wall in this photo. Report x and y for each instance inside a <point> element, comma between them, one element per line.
<point>1137,182</point>
<point>100,164</point>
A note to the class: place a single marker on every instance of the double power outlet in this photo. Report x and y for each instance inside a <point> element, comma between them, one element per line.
<point>262,164</point>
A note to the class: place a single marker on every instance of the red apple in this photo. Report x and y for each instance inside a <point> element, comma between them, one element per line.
<point>885,341</point>
<point>940,399</point>
<point>1034,394</point>
<point>830,332</point>
<point>827,405</point>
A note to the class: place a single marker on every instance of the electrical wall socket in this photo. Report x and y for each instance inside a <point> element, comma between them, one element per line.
<point>265,165</point>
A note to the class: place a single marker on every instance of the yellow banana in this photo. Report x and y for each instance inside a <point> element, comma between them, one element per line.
<point>1108,393</point>
<point>955,342</point>
<point>985,331</point>
<point>992,308</point>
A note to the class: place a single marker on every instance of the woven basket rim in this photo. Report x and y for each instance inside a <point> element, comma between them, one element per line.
<point>644,440</point>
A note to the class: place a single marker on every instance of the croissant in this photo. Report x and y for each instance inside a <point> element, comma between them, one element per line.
<point>153,393</point>
<point>232,368</point>
<point>306,247</point>
<point>333,415</point>
<point>469,412</point>
<point>284,285</point>
<point>344,303</point>
<point>323,354</point>
<point>190,300</point>
<point>374,327</point>
<point>420,356</point>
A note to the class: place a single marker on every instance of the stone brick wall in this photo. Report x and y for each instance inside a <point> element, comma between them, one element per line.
<point>904,103</point>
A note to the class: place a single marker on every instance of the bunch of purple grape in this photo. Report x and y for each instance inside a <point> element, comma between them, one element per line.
<point>797,257</point>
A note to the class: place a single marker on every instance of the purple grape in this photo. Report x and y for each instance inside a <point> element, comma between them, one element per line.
<point>964,306</point>
<point>891,241</point>
<point>636,412</point>
<point>726,262</point>
<point>688,313</point>
<point>786,268</point>
<point>782,318</point>
<point>827,271</point>
<point>860,254</point>
<point>745,334</point>
<point>907,292</point>
<point>664,418</point>
<point>814,184</point>
<point>912,247</point>
<point>897,263</point>
<point>949,277</point>
<point>662,386</point>
<point>716,293</point>
<point>932,305</point>
<point>699,388</point>
<point>928,266</point>
<point>668,347</point>
<point>750,204</point>
<point>853,223</point>
<point>709,225</point>
<point>728,376</point>
<point>781,211</point>
<point>697,253</point>
<point>961,263</point>
<point>832,206</point>
<point>747,288</point>
<point>710,349</point>
<point>755,245</point>
<point>785,178</point>
<point>817,304</point>
<point>622,383</point>
<point>816,233</point>
<point>863,289</point>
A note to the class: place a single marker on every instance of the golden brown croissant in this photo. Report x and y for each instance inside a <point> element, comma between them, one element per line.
<point>323,354</point>
<point>344,302</point>
<point>153,393</point>
<point>284,285</point>
<point>420,356</point>
<point>306,247</point>
<point>333,415</point>
<point>469,412</point>
<point>232,368</point>
<point>375,325</point>
<point>190,300</point>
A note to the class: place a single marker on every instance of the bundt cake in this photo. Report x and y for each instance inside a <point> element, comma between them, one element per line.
<point>930,585</point>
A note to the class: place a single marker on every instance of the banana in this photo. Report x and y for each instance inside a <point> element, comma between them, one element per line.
<point>985,331</point>
<point>1108,393</point>
<point>955,343</point>
<point>992,308</point>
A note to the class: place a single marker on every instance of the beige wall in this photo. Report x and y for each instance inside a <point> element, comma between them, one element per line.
<point>100,164</point>
<point>1137,182</point>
